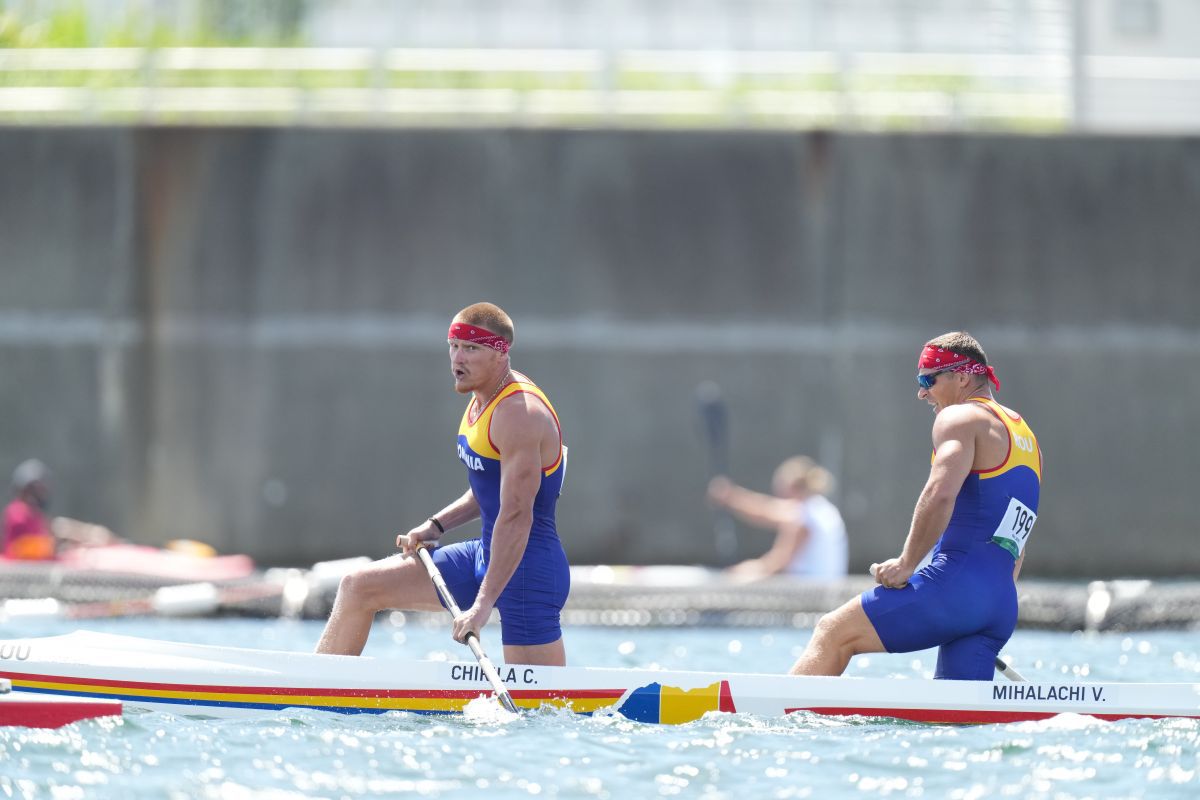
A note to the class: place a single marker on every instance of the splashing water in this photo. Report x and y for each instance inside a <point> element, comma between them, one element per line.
<point>486,710</point>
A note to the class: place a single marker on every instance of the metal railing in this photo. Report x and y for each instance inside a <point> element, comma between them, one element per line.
<point>523,86</point>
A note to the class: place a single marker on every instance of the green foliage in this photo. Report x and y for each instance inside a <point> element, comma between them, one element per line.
<point>68,26</point>
<point>222,23</point>
<point>10,30</point>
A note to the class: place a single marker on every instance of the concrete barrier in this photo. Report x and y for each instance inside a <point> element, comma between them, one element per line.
<point>236,335</point>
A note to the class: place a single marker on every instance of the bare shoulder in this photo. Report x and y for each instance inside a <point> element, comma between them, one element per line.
<point>522,416</point>
<point>960,420</point>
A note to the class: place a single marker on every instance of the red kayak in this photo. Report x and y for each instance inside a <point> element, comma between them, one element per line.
<point>153,561</point>
<point>161,564</point>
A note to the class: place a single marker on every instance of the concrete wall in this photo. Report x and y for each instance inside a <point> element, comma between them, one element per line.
<point>238,335</point>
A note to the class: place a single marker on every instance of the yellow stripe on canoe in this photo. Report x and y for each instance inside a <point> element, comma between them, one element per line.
<point>578,705</point>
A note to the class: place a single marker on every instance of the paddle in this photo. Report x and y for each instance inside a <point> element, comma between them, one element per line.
<point>485,663</point>
<point>1008,672</point>
<point>714,418</point>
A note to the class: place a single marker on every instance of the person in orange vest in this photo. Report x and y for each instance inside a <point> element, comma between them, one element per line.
<point>27,534</point>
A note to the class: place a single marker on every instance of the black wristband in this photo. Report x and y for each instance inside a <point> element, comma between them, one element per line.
<point>437,524</point>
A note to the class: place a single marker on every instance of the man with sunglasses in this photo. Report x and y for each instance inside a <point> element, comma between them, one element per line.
<point>978,506</point>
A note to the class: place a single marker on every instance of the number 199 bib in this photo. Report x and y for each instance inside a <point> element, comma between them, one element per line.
<point>1014,529</point>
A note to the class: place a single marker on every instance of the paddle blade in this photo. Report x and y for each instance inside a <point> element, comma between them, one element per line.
<point>489,670</point>
<point>714,424</point>
<point>1004,669</point>
<point>507,701</point>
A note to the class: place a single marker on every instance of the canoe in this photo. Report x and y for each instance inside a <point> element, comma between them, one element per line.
<point>220,681</point>
<point>29,710</point>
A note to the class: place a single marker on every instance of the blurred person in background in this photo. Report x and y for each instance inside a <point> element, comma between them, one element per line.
<point>510,442</point>
<point>29,535</point>
<point>810,536</point>
<point>978,506</point>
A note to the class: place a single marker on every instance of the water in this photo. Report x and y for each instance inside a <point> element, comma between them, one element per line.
<point>299,754</point>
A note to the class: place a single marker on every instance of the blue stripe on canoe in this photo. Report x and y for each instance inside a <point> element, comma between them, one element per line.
<point>183,701</point>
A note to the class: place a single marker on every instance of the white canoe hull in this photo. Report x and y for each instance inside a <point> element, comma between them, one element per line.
<point>225,681</point>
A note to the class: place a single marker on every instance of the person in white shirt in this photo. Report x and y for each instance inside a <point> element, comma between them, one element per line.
<point>810,536</point>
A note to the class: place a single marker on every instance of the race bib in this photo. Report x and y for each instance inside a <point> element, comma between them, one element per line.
<point>1014,529</point>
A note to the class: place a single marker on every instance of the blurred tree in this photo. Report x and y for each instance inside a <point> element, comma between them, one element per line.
<point>265,22</point>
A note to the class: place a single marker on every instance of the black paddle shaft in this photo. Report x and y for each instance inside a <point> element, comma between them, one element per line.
<point>714,420</point>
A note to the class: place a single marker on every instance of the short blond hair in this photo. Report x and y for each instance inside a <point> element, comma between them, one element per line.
<point>489,316</point>
<point>801,472</point>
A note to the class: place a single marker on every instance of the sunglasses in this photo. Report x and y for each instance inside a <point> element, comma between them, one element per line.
<point>927,380</point>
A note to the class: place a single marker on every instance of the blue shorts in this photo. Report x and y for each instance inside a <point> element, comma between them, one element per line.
<point>963,603</point>
<point>532,601</point>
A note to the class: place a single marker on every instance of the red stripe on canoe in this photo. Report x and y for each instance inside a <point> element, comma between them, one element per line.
<point>523,694</point>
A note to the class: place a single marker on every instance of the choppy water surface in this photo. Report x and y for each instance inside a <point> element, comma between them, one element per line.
<point>556,754</point>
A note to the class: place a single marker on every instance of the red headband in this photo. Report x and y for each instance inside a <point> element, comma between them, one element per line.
<point>474,333</point>
<point>942,359</point>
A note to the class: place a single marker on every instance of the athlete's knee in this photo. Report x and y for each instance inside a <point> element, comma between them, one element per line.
<point>824,627</point>
<point>831,627</point>
<point>847,631</point>
<point>361,589</point>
